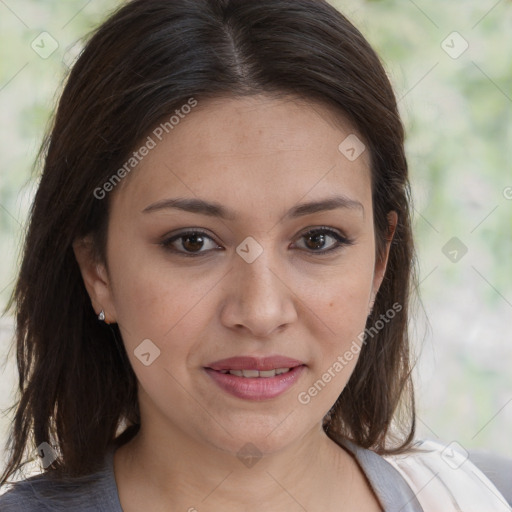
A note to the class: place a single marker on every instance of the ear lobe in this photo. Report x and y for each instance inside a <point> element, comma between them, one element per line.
<point>95,277</point>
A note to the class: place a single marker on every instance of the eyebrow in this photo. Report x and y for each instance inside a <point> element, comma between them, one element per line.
<point>214,209</point>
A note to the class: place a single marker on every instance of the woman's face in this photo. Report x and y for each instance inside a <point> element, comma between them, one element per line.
<point>245,232</point>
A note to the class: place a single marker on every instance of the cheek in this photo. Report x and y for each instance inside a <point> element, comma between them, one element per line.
<point>160,302</point>
<point>339,296</point>
<point>153,301</point>
<point>340,306</point>
<point>339,301</point>
<point>170,311</point>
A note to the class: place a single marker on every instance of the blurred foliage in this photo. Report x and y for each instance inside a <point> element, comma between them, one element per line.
<point>458,117</point>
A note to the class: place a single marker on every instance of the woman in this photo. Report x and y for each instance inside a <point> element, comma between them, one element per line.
<point>213,299</point>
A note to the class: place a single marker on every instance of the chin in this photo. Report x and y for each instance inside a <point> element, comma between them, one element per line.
<point>257,441</point>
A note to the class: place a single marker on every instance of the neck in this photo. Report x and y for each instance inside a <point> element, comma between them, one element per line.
<point>184,474</point>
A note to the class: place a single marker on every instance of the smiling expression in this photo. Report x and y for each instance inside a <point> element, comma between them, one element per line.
<point>244,232</point>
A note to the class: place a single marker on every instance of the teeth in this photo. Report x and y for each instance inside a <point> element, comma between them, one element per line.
<point>251,374</point>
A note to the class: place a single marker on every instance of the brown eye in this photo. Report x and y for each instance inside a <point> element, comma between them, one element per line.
<point>322,240</point>
<point>315,241</point>
<point>191,243</point>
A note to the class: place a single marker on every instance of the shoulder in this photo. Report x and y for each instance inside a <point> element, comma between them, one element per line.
<point>497,469</point>
<point>41,493</point>
<point>20,497</point>
<point>32,494</point>
<point>385,480</point>
<point>90,493</point>
<point>441,474</point>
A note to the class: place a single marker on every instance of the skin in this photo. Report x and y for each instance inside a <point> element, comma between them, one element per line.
<point>259,157</point>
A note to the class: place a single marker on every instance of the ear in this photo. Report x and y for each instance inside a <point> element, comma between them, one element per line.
<point>96,279</point>
<point>382,262</point>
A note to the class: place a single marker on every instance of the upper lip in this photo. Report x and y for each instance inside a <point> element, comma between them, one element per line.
<point>254,363</point>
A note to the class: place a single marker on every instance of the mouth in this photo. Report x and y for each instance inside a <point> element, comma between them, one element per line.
<point>253,378</point>
<point>256,374</point>
<point>261,364</point>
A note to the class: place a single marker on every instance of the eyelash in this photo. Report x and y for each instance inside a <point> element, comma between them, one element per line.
<point>341,241</point>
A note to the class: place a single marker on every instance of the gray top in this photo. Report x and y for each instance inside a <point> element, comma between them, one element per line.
<point>98,492</point>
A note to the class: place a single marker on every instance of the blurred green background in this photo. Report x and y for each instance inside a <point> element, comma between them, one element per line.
<point>451,68</point>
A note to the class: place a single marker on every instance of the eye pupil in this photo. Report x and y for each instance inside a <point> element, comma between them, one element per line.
<point>315,241</point>
<point>192,243</point>
<point>319,241</point>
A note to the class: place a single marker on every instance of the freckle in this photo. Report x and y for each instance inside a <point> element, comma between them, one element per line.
<point>331,304</point>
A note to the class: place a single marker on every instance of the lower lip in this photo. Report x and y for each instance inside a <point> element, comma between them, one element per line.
<point>259,388</point>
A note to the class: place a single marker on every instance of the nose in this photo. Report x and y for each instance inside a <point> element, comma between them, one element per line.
<point>258,299</point>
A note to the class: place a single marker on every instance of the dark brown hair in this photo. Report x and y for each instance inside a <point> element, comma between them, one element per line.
<point>77,390</point>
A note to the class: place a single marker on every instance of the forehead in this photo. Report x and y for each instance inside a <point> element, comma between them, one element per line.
<point>251,151</point>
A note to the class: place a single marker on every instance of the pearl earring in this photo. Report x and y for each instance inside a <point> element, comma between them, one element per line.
<point>101,316</point>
